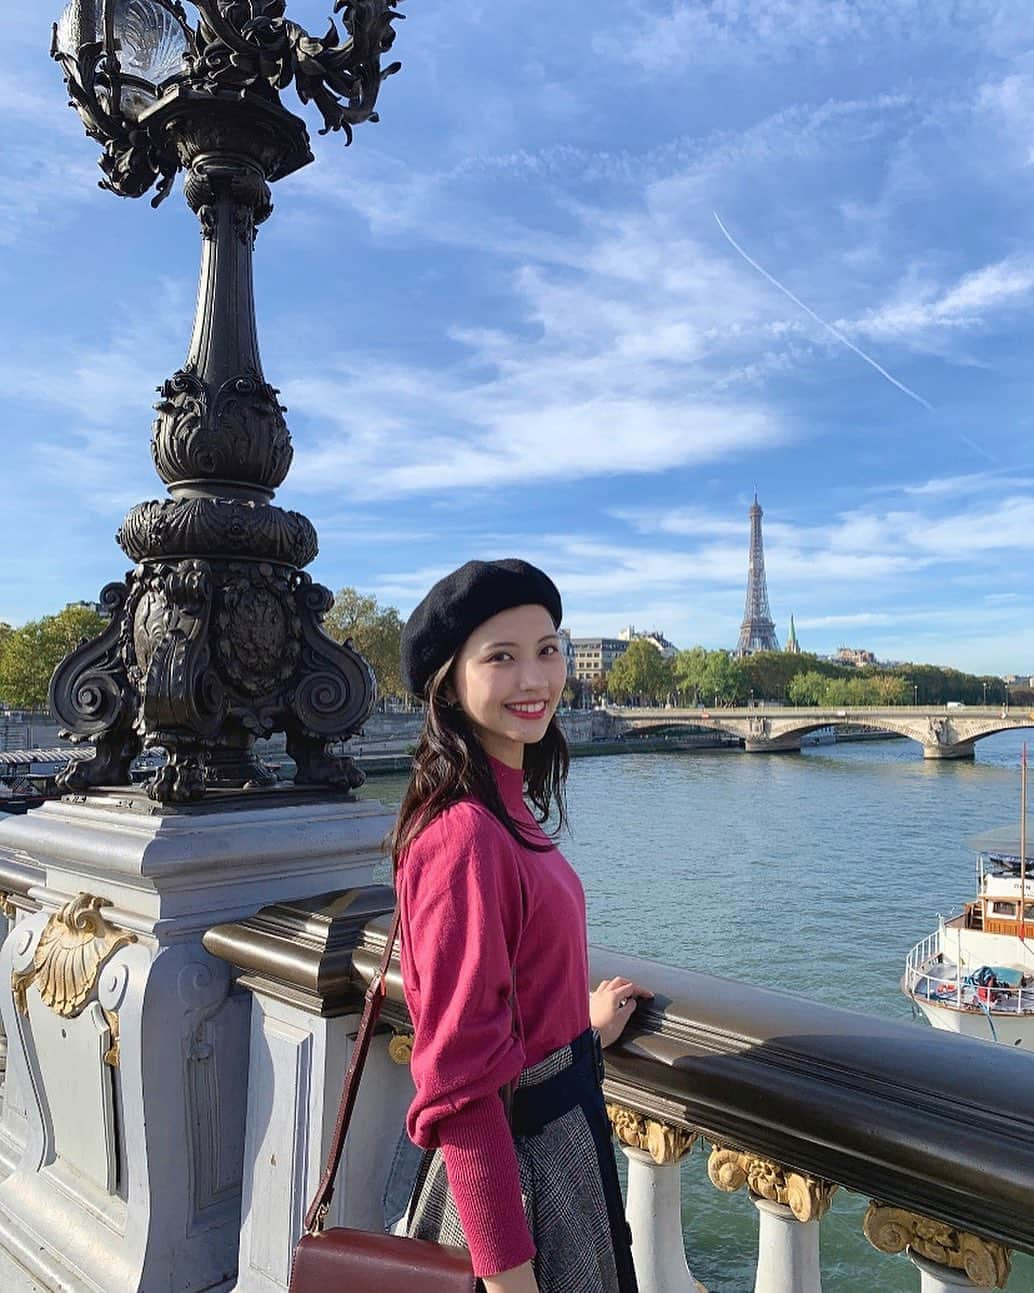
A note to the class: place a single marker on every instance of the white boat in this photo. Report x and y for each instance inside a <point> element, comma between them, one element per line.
<point>975,975</point>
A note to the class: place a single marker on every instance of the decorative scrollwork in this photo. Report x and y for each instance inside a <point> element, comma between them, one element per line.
<point>131,161</point>
<point>807,1197</point>
<point>259,630</point>
<point>72,949</point>
<point>337,689</point>
<point>400,1048</point>
<point>249,44</point>
<point>663,1142</point>
<point>986,1262</point>
<point>242,437</point>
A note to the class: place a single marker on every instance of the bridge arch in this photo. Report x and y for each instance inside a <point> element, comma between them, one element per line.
<point>943,732</point>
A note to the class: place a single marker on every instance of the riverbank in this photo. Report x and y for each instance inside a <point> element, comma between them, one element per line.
<point>385,764</point>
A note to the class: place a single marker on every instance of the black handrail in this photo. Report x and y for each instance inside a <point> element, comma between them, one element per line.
<point>939,1124</point>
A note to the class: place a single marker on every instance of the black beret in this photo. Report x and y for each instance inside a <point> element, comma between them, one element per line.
<point>457,604</point>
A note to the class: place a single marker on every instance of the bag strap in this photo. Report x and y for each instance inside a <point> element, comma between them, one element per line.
<point>375,994</point>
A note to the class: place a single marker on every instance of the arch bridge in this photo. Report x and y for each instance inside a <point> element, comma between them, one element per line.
<point>944,731</point>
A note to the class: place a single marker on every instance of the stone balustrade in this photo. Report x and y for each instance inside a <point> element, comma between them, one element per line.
<point>795,1103</point>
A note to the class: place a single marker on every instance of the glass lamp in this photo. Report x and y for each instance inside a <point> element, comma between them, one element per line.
<point>151,44</point>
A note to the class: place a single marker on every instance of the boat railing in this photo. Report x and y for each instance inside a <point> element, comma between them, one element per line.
<point>961,990</point>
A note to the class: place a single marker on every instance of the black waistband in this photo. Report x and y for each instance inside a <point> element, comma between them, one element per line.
<point>534,1106</point>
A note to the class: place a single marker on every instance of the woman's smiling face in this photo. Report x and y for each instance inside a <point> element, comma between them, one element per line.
<point>509,676</point>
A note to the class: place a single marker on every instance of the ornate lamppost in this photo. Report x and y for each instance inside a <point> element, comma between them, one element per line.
<point>215,635</point>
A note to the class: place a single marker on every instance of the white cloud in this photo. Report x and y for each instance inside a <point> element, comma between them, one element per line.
<point>965,304</point>
<point>714,33</point>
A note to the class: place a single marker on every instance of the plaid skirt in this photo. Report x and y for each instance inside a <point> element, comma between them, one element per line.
<point>568,1178</point>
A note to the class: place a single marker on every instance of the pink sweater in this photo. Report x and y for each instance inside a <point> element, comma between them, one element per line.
<point>475,906</point>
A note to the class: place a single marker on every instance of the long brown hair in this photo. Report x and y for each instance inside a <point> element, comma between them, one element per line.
<point>451,764</point>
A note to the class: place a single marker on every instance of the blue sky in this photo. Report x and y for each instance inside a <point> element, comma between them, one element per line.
<point>507,321</point>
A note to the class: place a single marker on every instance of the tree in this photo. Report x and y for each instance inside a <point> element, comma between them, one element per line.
<point>375,631</point>
<point>575,692</point>
<point>641,672</point>
<point>29,655</point>
<point>808,689</point>
<point>724,679</point>
<point>687,669</point>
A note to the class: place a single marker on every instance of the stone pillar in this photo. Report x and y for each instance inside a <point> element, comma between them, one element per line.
<point>960,750</point>
<point>305,1013</point>
<point>947,1258</point>
<point>655,1151</point>
<point>788,1251</point>
<point>131,1174</point>
<point>935,1278</point>
<point>790,1205</point>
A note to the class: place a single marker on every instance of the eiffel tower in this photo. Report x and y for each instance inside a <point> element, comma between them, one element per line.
<point>757,632</point>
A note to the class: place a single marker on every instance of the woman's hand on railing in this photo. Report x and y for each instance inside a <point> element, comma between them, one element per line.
<point>611,1007</point>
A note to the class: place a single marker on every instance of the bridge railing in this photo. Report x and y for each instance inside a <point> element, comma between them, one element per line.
<point>798,1099</point>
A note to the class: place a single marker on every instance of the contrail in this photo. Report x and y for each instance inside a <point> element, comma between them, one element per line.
<point>811,313</point>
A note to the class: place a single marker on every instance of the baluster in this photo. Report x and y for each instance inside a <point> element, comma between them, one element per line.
<point>947,1259</point>
<point>654,1204</point>
<point>790,1205</point>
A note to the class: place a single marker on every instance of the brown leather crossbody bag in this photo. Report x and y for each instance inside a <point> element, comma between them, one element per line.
<point>365,1261</point>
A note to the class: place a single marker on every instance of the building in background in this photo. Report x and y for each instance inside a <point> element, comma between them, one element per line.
<point>593,656</point>
<point>757,632</point>
<point>96,607</point>
<point>567,646</point>
<point>667,649</point>
<point>793,647</point>
<point>854,656</point>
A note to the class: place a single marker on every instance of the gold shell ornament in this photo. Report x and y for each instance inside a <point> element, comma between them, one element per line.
<point>75,943</point>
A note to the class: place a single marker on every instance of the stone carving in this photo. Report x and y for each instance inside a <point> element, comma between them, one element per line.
<point>891,1230</point>
<point>400,1048</point>
<point>663,1142</point>
<point>807,1197</point>
<point>72,949</point>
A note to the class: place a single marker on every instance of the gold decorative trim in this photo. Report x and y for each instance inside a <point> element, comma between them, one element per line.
<point>75,943</point>
<point>663,1142</point>
<point>400,1048</point>
<point>112,1056</point>
<point>986,1262</point>
<point>807,1197</point>
<point>7,907</point>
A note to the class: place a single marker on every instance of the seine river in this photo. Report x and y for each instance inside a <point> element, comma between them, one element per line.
<point>811,873</point>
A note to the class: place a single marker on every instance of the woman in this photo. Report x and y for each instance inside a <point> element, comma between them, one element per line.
<point>517,1157</point>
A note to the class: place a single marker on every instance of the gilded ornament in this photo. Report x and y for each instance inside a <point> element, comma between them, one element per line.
<point>986,1262</point>
<point>807,1197</point>
<point>400,1048</point>
<point>663,1142</point>
<point>7,907</point>
<point>75,943</point>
